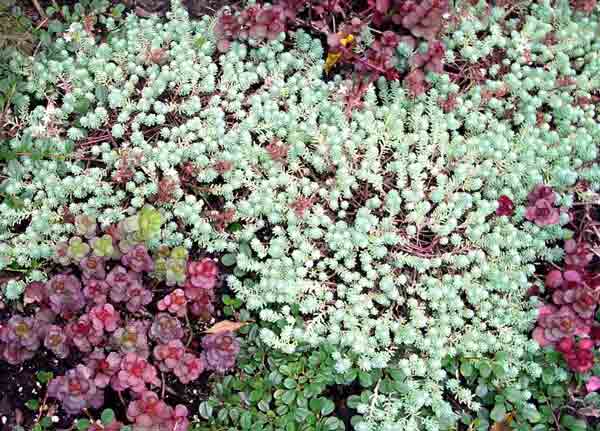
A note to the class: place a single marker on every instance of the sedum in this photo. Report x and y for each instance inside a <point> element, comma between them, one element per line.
<point>374,231</point>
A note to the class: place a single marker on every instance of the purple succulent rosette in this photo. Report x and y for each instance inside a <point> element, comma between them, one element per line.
<point>76,390</point>
<point>557,323</point>
<point>220,351</point>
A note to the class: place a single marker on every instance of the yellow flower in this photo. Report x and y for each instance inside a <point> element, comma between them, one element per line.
<point>333,57</point>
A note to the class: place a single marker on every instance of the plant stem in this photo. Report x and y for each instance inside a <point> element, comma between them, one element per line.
<point>39,9</point>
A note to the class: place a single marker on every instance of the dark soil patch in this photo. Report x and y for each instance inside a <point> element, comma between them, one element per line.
<point>339,394</point>
<point>18,385</point>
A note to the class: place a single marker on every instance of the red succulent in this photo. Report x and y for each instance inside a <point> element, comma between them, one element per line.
<point>135,372</point>
<point>556,323</point>
<point>169,354</point>
<point>103,366</point>
<point>76,390</point>
<point>506,207</point>
<point>175,302</point>
<point>105,318</point>
<point>202,274</point>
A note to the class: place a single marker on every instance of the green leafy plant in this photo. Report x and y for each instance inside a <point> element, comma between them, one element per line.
<point>275,391</point>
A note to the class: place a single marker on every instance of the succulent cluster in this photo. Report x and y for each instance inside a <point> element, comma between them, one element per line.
<point>400,230</point>
<point>99,308</point>
<point>575,294</point>
<point>379,39</point>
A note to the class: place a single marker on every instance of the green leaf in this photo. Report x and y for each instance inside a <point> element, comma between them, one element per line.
<point>229,259</point>
<point>107,417</point>
<point>513,395</point>
<point>32,404</point>
<point>498,413</point>
<point>289,383</point>
<point>234,227</point>
<point>316,404</point>
<point>44,376</point>
<point>246,420</point>
<point>531,413</point>
<point>573,424</point>
<point>256,395</point>
<point>46,422</point>
<point>353,401</point>
<point>332,423</point>
<point>365,379</point>
<point>264,406</point>
<point>327,407</point>
<point>485,370</point>
<point>288,397</point>
<point>466,369</point>
<point>55,26</point>
<point>205,410</point>
<point>302,413</point>
<point>245,249</point>
<point>82,424</point>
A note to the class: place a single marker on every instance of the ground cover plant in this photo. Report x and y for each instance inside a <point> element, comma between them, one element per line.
<point>387,209</point>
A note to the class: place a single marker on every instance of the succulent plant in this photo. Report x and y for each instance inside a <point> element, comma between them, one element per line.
<point>175,303</point>
<point>93,267</point>
<point>578,254</point>
<point>543,213</point>
<point>103,246</point>
<point>77,249</point>
<point>220,351</point>
<point>104,366</point>
<point>134,374</point>
<point>200,301</point>
<point>21,339</point>
<point>583,300</point>
<point>61,253</point>
<point>541,209</point>
<point>579,356</point>
<point>569,279</point>
<point>85,226</point>
<point>169,355</point>
<point>189,368</point>
<point>120,280</point>
<point>423,18</point>
<point>202,274</point>
<point>95,290</point>
<point>35,292</point>
<point>166,328</point>
<point>175,272</point>
<point>104,318</point>
<point>132,338</point>
<point>64,294</point>
<point>56,340</point>
<point>149,221</point>
<point>83,334</point>
<point>137,259</point>
<point>430,60</point>
<point>557,323</point>
<point>150,412</point>
<point>76,390</point>
<point>506,206</point>
<point>138,296</point>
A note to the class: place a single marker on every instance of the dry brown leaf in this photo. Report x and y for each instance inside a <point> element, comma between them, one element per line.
<point>225,325</point>
<point>503,425</point>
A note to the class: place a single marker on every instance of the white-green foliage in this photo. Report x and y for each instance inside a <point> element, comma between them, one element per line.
<point>400,260</point>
